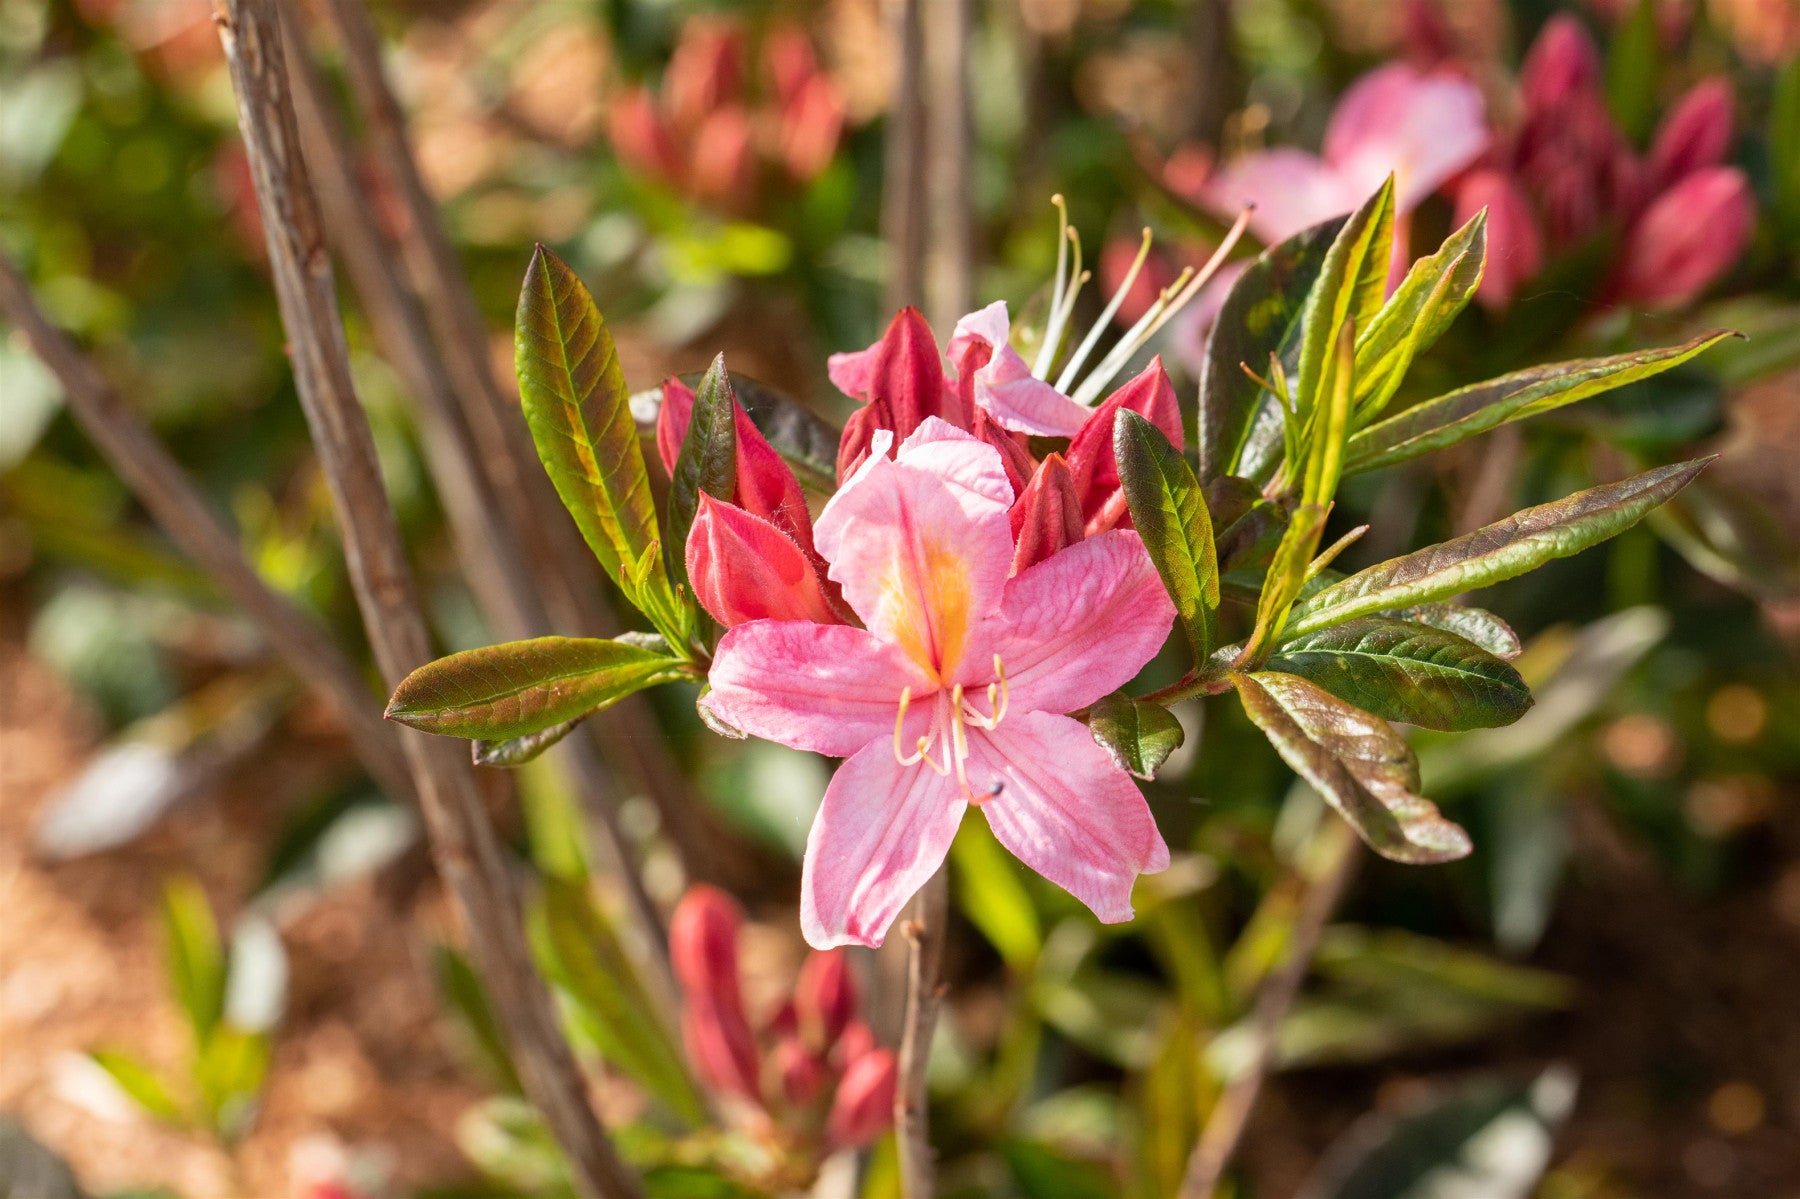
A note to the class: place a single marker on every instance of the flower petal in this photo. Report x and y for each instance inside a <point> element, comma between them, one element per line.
<point>1082,623</point>
<point>881,832</point>
<point>921,545</point>
<point>989,326</point>
<point>1421,128</point>
<point>1022,402</point>
<point>851,371</point>
<point>1066,810</point>
<point>830,689</point>
<point>1290,188</point>
<point>745,568</point>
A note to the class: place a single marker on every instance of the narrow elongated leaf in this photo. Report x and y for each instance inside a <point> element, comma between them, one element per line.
<point>505,691</point>
<point>1362,767</point>
<point>1477,624</point>
<point>706,464</point>
<point>1138,736</point>
<point>462,989</point>
<point>583,956</point>
<point>193,956</point>
<point>141,1084</point>
<point>579,412</point>
<point>1240,423</point>
<point>1349,290</point>
<point>991,892</point>
<point>1475,409</point>
<point>1435,290</point>
<point>1285,577</point>
<point>516,751</point>
<point>1500,551</point>
<point>804,439</point>
<point>1170,514</point>
<point>1408,672</point>
<point>1331,424</point>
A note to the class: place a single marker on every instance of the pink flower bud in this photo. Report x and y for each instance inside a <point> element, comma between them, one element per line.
<point>790,62</point>
<point>863,1107</point>
<point>705,73</point>
<point>744,568</point>
<point>1561,64</point>
<point>703,949</point>
<point>798,1070</point>
<point>1695,134</point>
<point>1091,461</point>
<point>723,165</point>
<point>1047,517</point>
<point>766,485</point>
<point>858,1039</point>
<point>902,378</point>
<point>810,127</point>
<point>1687,239</point>
<point>1014,448</point>
<point>1426,35</point>
<point>1515,251</point>
<point>824,998</point>
<point>639,137</point>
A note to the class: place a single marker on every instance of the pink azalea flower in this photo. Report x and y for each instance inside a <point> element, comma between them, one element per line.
<point>956,691</point>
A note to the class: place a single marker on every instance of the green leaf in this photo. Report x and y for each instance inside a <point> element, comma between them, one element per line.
<point>1240,423</point>
<point>1362,767</point>
<point>1477,624</point>
<point>144,1087</point>
<point>990,890</point>
<point>1043,1172</point>
<point>1475,409</point>
<point>707,463</point>
<point>230,1070</point>
<point>1500,551</point>
<point>467,996</point>
<point>1138,736</point>
<point>502,692</point>
<point>1171,517</point>
<point>1632,72</point>
<point>193,957</point>
<point>1285,577</point>
<point>1330,424</point>
<point>1434,291</point>
<point>580,417</point>
<point>516,751</point>
<point>1348,291</point>
<point>1784,145</point>
<point>1408,672</point>
<point>583,956</point>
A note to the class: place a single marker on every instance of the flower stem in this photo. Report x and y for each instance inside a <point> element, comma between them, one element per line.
<point>924,931</point>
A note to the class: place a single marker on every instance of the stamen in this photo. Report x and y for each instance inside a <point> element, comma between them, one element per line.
<point>1042,365</point>
<point>1067,378</point>
<point>899,722</point>
<point>1062,312</point>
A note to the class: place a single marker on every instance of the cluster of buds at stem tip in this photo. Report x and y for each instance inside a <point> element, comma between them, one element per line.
<point>813,1067</point>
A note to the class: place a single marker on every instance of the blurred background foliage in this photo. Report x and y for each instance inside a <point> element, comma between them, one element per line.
<point>1610,972</point>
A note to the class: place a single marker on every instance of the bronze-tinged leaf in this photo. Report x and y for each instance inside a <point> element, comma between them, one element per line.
<point>1170,515</point>
<point>1362,767</point>
<point>579,412</point>
<point>1500,551</point>
<point>706,464</point>
<point>1348,291</point>
<point>1138,736</point>
<point>1435,290</point>
<point>1240,423</point>
<point>1409,672</point>
<point>1475,409</point>
<point>806,441</point>
<point>1477,624</point>
<point>506,691</point>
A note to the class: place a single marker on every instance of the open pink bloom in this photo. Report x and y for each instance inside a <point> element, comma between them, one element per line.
<point>955,691</point>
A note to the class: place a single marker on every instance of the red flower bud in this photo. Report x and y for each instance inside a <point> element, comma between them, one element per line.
<point>1687,238</point>
<point>799,1072</point>
<point>703,949</point>
<point>639,136</point>
<point>723,166</point>
<point>744,568</point>
<point>1014,448</point>
<point>810,127</point>
<point>789,60</point>
<point>902,378</point>
<point>1695,134</point>
<point>705,73</point>
<point>1515,251</point>
<point>1047,517</point>
<point>766,485</point>
<point>824,998</point>
<point>863,1107</point>
<point>858,1039</point>
<point>1091,461</point>
<point>1561,64</point>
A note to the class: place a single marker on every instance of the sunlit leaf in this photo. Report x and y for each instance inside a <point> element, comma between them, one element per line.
<point>502,692</point>
<point>1477,624</point>
<point>1500,551</point>
<point>141,1084</point>
<point>1170,515</point>
<point>1240,423</point>
<point>1348,292</point>
<point>1408,672</point>
<point>990,890</point>
<point>1138,736</point>
<point>1435,290</point>
<point>230,1071</point>
<point>1362,767</point>
<point>1475,409</point>
<point>1286,576</point>
<point>706,464</point>
<point>193,956</point>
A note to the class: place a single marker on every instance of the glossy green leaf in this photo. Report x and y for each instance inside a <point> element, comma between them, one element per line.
<point>1435,290</point>
<point>193,956</point>
<point>1330,424</point>
<point>1137,735</point>
<point>1475,409</point>
<point>463,990</point>
<point>1500,551</point>
<point>1408,672</point>
<point>1477,624</point>
<point>582,955</point>
<point>1285,577</point>
<point>706,464</point>
<point>1349,291</point>
<point>579,412</point>
<point>516,751</point>
<point>501,692</point>
<point>1240,423</point>
<point>1360,765</point>
<point>1043,1172</point>
<point>1170,514</point>
<point>141,1084</point>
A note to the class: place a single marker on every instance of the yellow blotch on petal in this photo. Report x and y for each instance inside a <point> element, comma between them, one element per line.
<point>926,603</point>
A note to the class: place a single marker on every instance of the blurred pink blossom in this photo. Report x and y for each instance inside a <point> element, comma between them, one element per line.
<point>1515,249</point>
<point>1688,237</point>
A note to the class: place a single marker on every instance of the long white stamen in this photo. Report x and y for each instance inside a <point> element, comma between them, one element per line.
<point>1067,379</point>
<point>1041,365</point>
<point>1063,311</point>
<point>901,757</point>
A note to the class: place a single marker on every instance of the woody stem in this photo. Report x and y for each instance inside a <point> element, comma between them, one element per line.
<point>924,931</point>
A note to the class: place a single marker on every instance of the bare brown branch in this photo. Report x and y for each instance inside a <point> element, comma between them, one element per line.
<point>467,853</point>
<point>903,195</point>
<point>923,927</point>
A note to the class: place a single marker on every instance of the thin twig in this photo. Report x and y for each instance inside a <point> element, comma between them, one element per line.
<point>467,852</point>
<point>923,928</point>
<point>949,253</point>
<point>175,503</point>
<point>490,555</point>
<point>1333,868</point>
<point>903,197</point>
